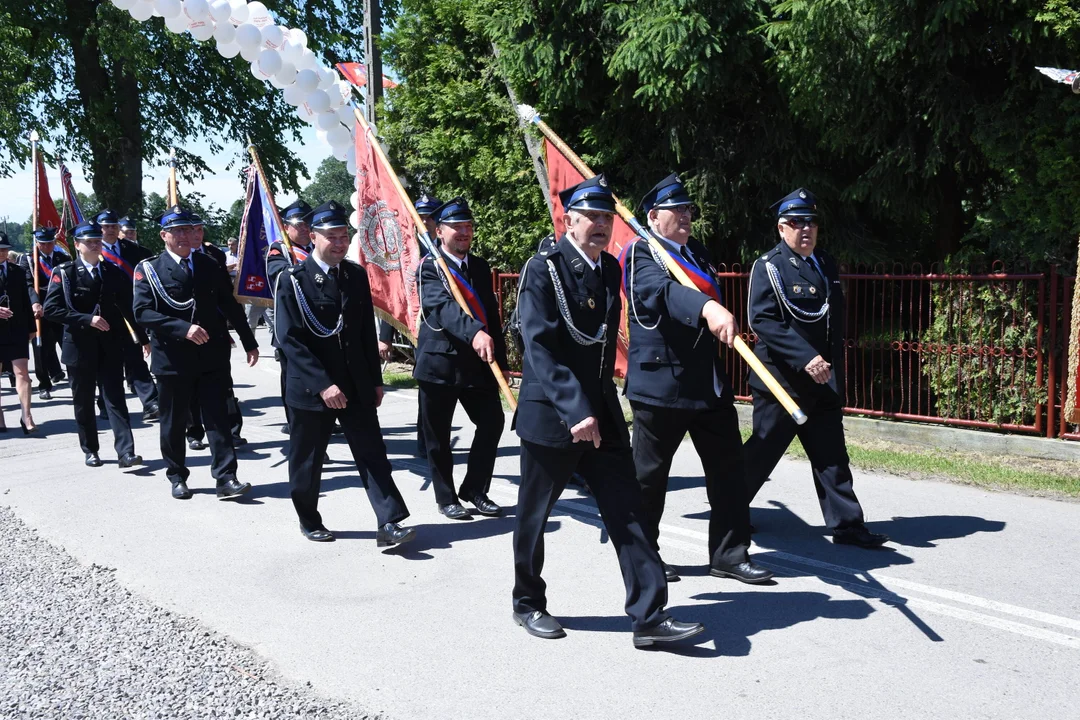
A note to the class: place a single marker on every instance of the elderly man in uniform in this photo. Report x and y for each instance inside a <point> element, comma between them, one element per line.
<point>183,299</point>
<point>295,217</point>
<point>128,230</point>
<point>125,254</point>
<point>796,308</point>
<point>676,384</point>
<point>46,363</point>
<point>569,418</point>
<point>325,325</point>
<point>452,355</point>
<point>93,300</point>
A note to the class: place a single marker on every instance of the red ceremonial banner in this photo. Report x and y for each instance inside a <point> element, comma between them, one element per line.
<point>385,242</point>
<point>46,210</point>
<point>561,175</point>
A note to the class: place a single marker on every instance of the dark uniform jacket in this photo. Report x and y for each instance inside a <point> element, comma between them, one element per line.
<point>786,343</point>
<point>349,359</point>
<point>171,352</point>
<point>14,294</point>
<point>277,259</point>
<point>674,361</point>
<point>562,381</point>
<point>216,253</point>
<point>26,262</point>
<point>131,253</point>
<point>444,353</point>
<point>73,299</point>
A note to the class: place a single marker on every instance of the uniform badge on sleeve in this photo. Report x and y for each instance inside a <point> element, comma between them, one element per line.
<point>138,275</point>
<point>56,277</point>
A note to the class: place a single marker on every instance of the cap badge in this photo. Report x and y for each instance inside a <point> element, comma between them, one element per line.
<point>802,194</point>
<point>602,182</point>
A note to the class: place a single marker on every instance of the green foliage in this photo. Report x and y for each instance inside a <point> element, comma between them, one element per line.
<point>332,181</point>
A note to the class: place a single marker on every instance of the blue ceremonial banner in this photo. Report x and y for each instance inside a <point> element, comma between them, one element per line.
<point>259,228</point>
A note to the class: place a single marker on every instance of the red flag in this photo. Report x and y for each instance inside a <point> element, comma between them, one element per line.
<point>354,73</point>
<point>561,175</point>
<point>385,243</point>
<point>46,210</point>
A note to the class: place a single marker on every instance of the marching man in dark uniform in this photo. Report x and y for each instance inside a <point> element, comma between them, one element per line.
<point>452,355</point>
<point>183,299</point>
<point>128,230</point>
<point>796,308</point>
<point>295,217</point>
<point>93,300</point>
<point>326,329</point>
<point>125,255</point>
<point>675,382</point>
<point>46,363</point>
<point>569,418</point>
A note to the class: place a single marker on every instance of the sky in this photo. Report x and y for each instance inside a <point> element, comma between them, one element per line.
<point>220,187</point>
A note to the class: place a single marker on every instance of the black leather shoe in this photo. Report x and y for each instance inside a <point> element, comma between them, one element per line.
<point>455,511</point>
<point>92,460</point>
<point>130,460</point>
<point>540,624</point>
<point>151,412</point>
<point>232,488</point>
<point>238,441</point>
<point>285,430</point>
<point>484,506</point>
<point>860,537</point>
<point>393,534</point>
<point>45,395</point>
<point>318,535</point>
<point>194,444</point>
<point>180,491</point>
<point>669,573</point>
<point>671,630</point>
<point>58,378</point>
<point>746,572</point>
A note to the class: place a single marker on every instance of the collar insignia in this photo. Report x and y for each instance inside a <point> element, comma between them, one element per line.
<point>794,263</point>
<point>319,279</point>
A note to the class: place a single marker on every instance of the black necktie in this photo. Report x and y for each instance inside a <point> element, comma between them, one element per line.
<point>332,272</point>
<point>94,275</point>
<point>814,264</point>
<point>465,272</point>
<point>185,263</point>
<point>3,271</point>
<point>685,251</point>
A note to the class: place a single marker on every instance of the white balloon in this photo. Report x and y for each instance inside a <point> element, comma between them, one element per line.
<point>326,121</point>
<point>346,116</point>
<point>321,135</point>
<point>239,14</point>
<point>196,9</point>
<point>177,23</point>
<point>291,49</point>
<point>327,77</point>
<point>350,164</point>
<point>287,74</point>
<point>307,61</point>
<point>258,15</point>
<point>225,33</point>
<point>318,101</point>
<point>228,50</point>
<point>247,35</point>
<point>354,199</point>
<point>202,31</point>
<point>142,11</point>
<point>304,113</point>
<point>272,37</point>
<point>167,8</point>
<point>299,37</point>
<point>220,10</point>
<point>250,53</point>
<point>336,99</point>
<point>307,79</point>
<point>125,4</point>
<point>269,63</point>
<point>294,95</point>
<point>338,134</point>
<point>354,218</point>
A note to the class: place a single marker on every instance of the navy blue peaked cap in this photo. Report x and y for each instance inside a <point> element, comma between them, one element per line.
<point>45,234</point>
<point>106,217</point>
<point>453,211</point>
<point>427,205</point>
<point>126,223</point>
<point>800,203</point>
<point>88,231</point>
<point>5,244</point>
<point>329,215</point>
<point>669,192</point>
<point>176,216</point>
<point>591,194</point>
<point>298,212</point>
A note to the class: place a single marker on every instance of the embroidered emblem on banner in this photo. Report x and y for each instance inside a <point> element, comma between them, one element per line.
<point>380,236</point>
<point>254,283</point>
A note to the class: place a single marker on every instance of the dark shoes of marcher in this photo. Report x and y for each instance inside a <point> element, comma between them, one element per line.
<point>232,488</point>
<point>393,534</point>
<point>455,511</point>
<point>45,395</point>
<point>92,460</point>
<point>194,444</point>
<point>484,506</point>
<point>130,460</point>
<point>746,572</point>
<point>859,536</point>
<point>151,412</point>
<point>317,535</point>
<point>540,624</point>
<point>669,574</point>
<point>180,490</point>
<point>669,631</point>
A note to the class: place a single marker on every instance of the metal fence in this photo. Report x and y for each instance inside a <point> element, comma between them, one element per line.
<point>982,350</point>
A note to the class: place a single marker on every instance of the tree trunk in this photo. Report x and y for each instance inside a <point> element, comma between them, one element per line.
<point>111,106</point>
<point>949,226</point>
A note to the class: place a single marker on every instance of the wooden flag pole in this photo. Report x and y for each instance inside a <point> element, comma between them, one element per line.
<point>33,229</point>
<point>174,194</point>
<point>435,253</point>
<point>529,115</point>
<point>269,195</point>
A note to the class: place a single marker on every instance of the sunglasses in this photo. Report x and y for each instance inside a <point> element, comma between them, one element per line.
<point>800,223</point>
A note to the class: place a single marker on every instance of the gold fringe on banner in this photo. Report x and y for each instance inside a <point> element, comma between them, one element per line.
<point>1072,367</point>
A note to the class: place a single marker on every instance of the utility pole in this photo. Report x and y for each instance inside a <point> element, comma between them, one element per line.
<point>372,58</point>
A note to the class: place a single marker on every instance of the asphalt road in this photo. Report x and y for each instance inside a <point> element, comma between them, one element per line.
<point>974,613</point>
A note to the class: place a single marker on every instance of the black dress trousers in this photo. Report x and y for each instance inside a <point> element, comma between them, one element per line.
<point>46,359</point>
<point>138,374</point>
<point>823,439</point>
<point>482,405</point>
<point>310,435</point>
<point>609,471</point>
<point>84,379</point>
<point>176,392</point>
<point>658,432</point>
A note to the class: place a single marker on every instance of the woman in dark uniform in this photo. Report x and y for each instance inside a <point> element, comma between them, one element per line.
<point>16,328</point>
